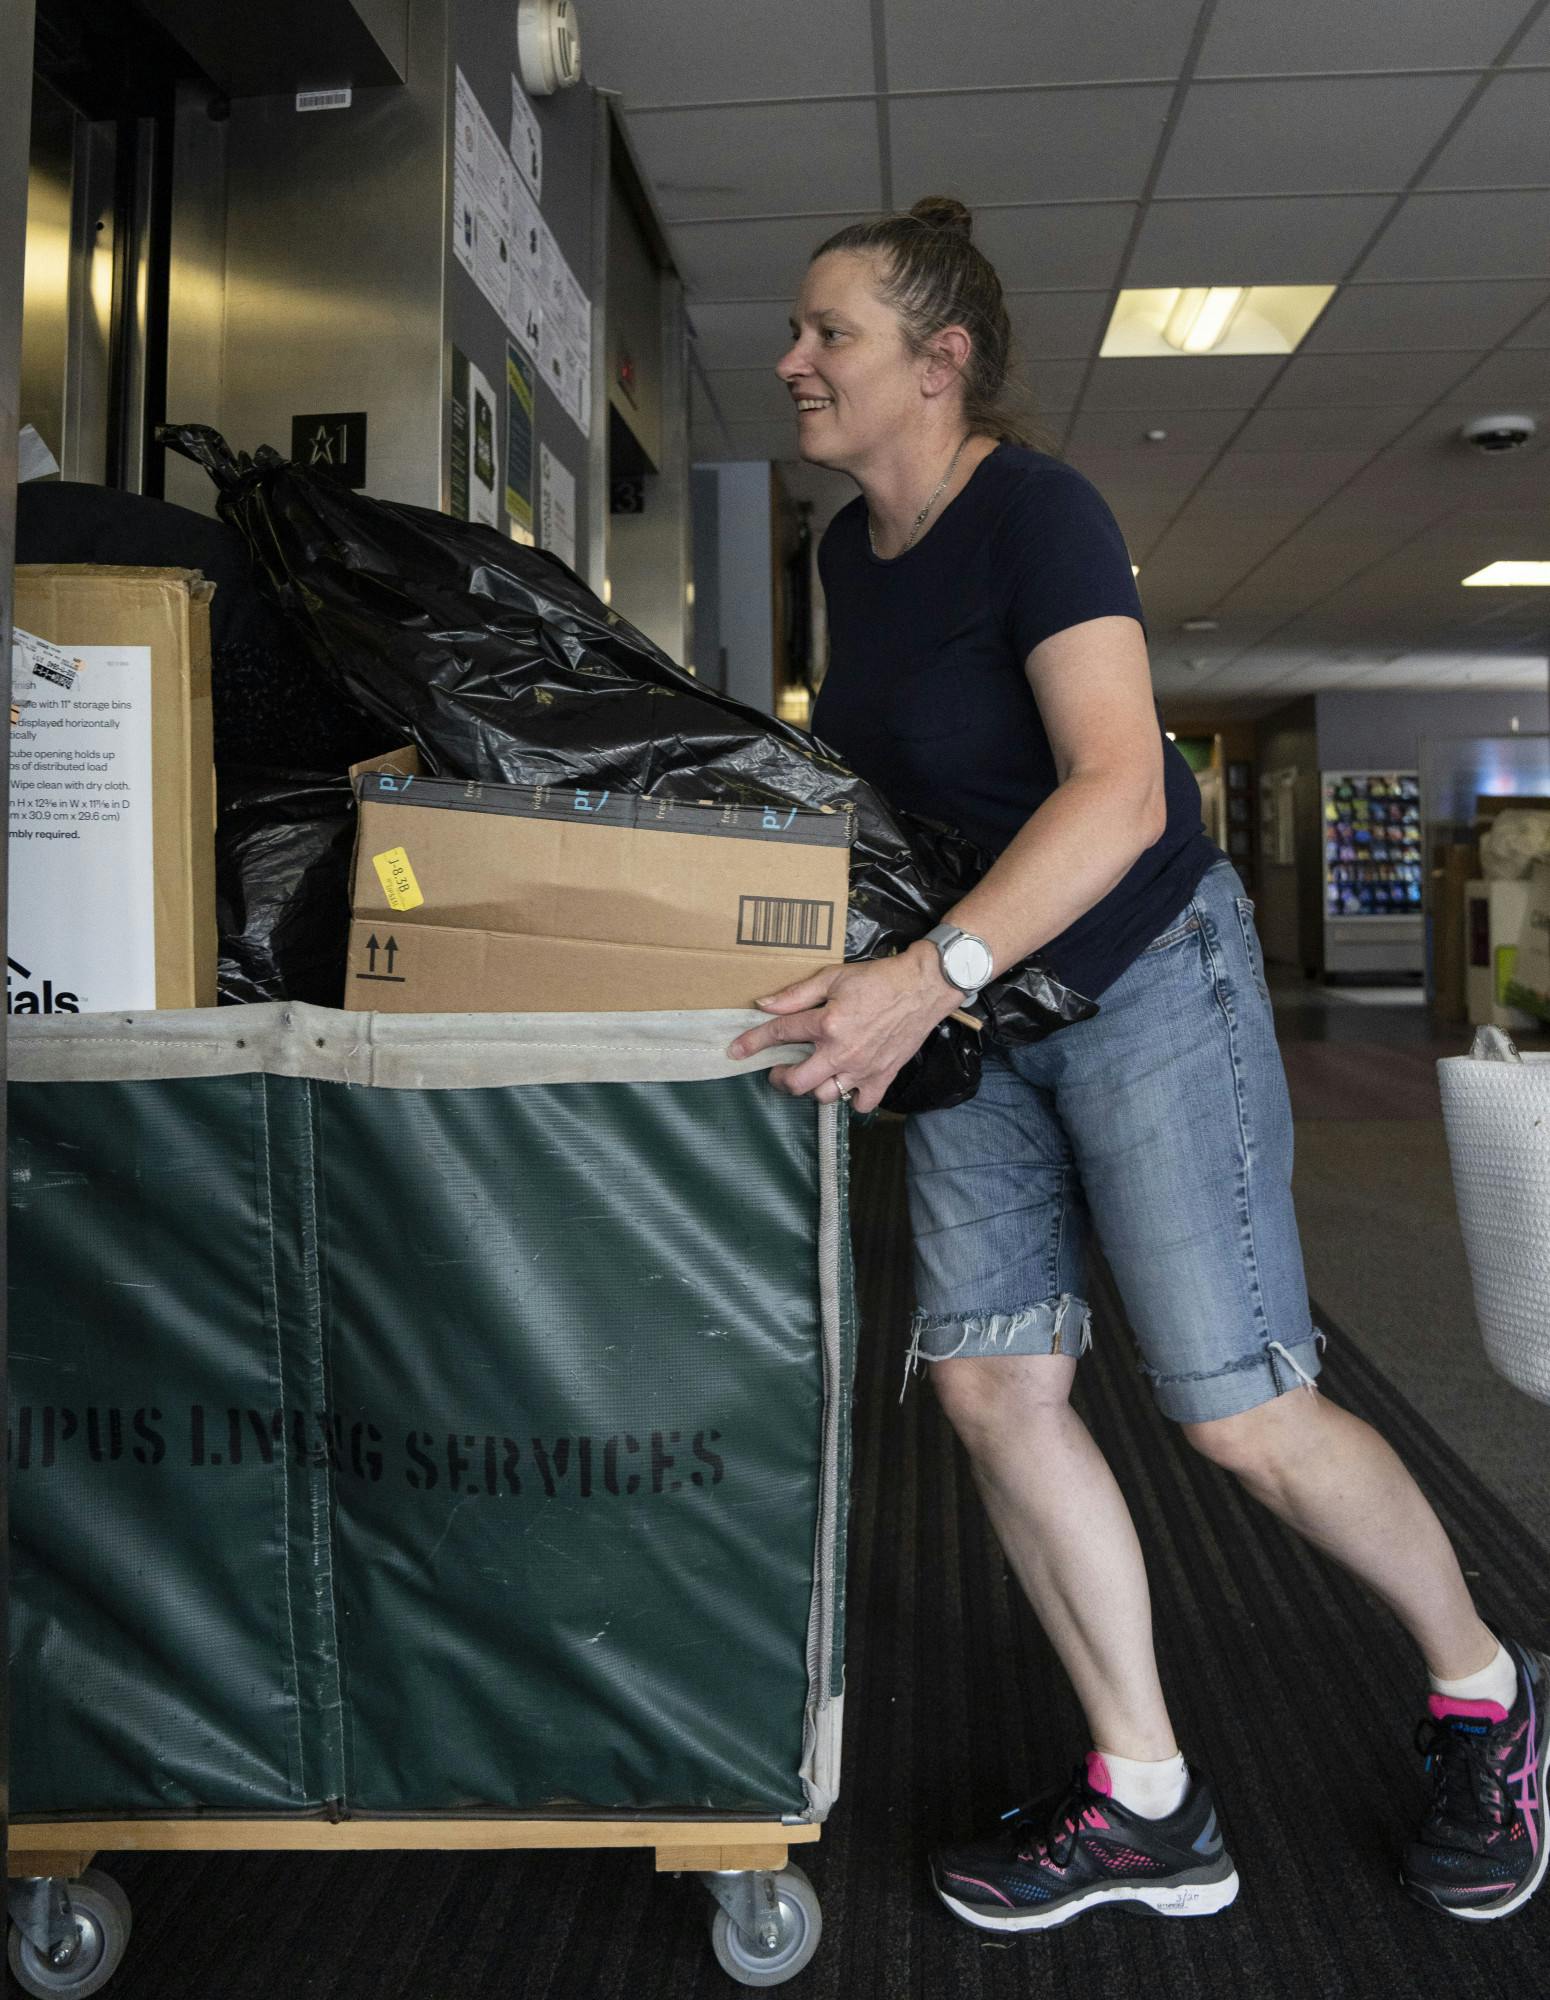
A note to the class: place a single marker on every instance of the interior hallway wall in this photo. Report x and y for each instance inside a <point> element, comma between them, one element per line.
<point>746,599</point>
<point>1383,732</point>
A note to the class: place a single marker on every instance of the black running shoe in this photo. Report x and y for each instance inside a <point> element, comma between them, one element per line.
<point>1052,1861</point>
<point>1482,1845</point>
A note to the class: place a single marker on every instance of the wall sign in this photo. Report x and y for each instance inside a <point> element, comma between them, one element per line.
<point>336,440</point>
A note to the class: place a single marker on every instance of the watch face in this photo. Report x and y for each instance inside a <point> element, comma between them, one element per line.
<point>967,962</point>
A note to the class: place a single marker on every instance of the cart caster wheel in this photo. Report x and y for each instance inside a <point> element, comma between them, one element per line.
<point>102,1919</point>
<point>799,1927</point>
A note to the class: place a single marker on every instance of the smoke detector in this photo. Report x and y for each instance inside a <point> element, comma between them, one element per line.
<point>1498,433</point>
<point>548,46</point>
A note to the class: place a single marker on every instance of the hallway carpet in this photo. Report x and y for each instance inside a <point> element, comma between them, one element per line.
<point>1294,1690</point>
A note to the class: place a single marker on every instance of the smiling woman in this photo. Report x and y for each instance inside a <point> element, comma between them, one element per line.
<point>988,668</point>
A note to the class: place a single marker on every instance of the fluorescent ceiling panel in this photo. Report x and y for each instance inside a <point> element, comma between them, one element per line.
<point>1511,574</point>
<point>1272,319</point>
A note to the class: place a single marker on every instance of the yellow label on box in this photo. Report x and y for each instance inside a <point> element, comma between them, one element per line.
<point>397,879</point>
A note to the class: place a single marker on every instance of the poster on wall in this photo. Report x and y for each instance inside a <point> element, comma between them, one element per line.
<point>475,439</point>
<point>465,120</point>
<point>482,182</point>
<point>520,386</point>
<point>522,307</point>
<point>557,507</point>
<point>527,140</point>
<point>565,332</point>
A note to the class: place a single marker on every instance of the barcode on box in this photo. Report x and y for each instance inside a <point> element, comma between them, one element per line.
<point>322,100</point>
<point>790,922</point>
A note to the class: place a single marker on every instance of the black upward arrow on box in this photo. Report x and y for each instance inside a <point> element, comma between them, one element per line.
<point>389,950</point>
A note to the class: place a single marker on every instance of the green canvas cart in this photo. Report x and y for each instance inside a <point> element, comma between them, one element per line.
<point>425,1431</point>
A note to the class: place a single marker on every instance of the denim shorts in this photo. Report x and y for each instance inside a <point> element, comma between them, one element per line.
<point>1163,1128</point>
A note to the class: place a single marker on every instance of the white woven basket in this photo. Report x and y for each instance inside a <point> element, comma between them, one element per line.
<point>1496,1107</point>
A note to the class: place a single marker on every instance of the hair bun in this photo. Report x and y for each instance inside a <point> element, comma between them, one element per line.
<point>944,211</point>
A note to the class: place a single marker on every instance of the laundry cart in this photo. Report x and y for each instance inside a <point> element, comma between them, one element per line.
<point>427,1431</point>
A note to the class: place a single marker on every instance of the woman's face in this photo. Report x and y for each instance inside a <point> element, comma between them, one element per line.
<point>852,380</point>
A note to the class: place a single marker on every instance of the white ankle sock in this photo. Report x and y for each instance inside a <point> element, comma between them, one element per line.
<point>1150,1789</point>
<point>1498,1682</point>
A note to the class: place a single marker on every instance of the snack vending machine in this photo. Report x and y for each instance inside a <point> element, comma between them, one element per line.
<point>1372,872</point>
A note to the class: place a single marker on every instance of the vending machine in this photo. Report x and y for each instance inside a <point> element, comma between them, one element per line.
<point>1372,872</point>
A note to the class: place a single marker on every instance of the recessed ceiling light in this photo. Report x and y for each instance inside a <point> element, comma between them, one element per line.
<point>1200,316</point>
<point>1199,625</point>
<point>1508,573</point>
<point>1176,320</point>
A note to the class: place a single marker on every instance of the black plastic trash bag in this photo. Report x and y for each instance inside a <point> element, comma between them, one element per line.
<point>500,665</point>
<point>282,885</point>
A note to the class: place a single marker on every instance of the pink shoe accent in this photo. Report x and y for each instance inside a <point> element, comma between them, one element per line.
<point>1098,1775</point>
<point>975,1883</point>
<point>1092,1817</point>
<point>1442,1705</point>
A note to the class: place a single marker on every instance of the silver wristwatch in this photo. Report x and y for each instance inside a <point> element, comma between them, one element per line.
<point>966,960</point>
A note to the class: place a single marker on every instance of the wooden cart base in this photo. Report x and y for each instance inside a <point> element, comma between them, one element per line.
<point>764,1929</point>
<point>65,1847</point>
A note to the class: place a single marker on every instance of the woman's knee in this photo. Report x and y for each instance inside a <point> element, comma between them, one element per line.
<point>1258,1441</point>
<point>996,1392</point>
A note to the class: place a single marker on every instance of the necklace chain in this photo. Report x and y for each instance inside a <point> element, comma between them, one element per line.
<point>920,518</point>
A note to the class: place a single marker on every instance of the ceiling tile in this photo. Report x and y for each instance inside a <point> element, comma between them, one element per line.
<point>1332,380</point>
<point>760,159</point>
<point>1322,430</point>
<point>1190,382</point>
<point>751,260</point>
<point>1053,385</point>
<point>1306,476</point>
<point>753,395</point>
<point>1188,430</point>
<point>1516,375</point>
<point>1055,247</point>
<point>1060,325</point>
<point>1535,45</point>
<point>1337,135</point>
<point>1505,140</point>
<point>1167,475</point>
<point>692,53</point>
<point>1308,241</point>
<point>1247,38</point>
<point>1536,333</point>
<point>741,336</point>
<point>1377,318</point>
<point>1069,145</point>
<point>991,43</point>
<point>1463,236</point>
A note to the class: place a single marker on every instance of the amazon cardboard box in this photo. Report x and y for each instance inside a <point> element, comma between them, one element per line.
<point>471,898</point>
<point>112,827</point>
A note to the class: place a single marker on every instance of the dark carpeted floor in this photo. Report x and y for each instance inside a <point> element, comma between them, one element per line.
<point>1287,1682</point>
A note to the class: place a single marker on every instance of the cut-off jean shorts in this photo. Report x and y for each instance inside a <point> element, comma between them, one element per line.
<point>1162,1126</point>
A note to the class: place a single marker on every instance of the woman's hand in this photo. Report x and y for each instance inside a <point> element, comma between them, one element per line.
<point>865,1021</point>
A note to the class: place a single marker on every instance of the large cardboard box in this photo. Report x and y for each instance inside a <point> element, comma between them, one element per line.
<point>472,898</point>
<point>112,828</point>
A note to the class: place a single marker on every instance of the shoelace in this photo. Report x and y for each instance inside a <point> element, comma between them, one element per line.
<point>1057,1834</point>
<point>1465,1787</point>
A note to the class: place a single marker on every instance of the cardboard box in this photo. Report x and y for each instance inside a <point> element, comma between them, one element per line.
<point>112,832</point>
<point>473,898</point>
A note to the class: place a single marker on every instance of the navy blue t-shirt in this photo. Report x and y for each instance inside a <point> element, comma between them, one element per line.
<point>926,696</point>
